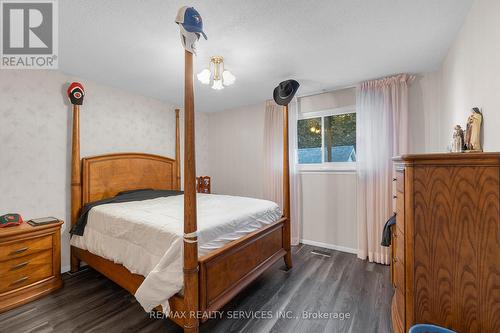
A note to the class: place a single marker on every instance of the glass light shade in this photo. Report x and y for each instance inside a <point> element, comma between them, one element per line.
<point>228,78</point>
<point>204,76</point>
<point>217,85</point>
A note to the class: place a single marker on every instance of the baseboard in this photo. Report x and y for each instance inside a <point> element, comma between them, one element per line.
<point>67,268</point>
<point>329,246</point>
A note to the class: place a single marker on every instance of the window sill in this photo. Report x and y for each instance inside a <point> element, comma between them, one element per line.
<point>327,168</point>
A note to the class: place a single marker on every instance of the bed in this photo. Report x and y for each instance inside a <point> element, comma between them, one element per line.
<point>210,278</point>
<point>146,236</point>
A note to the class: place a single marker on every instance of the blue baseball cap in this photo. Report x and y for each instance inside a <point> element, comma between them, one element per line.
<point>191,20</point>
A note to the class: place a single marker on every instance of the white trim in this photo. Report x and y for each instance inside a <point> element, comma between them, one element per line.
<point>330,166</point>
<point>327,112</point>
<point>327,172</point>
<point>65,268</point>
<point>330,246</point>
<point>326,91</point>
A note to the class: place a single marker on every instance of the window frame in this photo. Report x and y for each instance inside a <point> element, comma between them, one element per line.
<point>326,166</point>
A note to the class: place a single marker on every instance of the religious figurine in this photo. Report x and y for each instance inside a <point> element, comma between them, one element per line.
<point>457,145</point>
<point>473,132</point>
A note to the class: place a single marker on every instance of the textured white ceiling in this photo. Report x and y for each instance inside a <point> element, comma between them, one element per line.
<point>324,44</point>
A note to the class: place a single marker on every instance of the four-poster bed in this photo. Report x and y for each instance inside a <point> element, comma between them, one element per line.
<point>211,280</point>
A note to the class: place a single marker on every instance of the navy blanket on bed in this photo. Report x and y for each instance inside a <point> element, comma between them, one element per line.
<point>126,196</point>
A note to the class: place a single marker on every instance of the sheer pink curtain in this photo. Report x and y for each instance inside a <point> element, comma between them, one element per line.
<point>273,150</point>
<point>382,132</point>
<point>273,161</point>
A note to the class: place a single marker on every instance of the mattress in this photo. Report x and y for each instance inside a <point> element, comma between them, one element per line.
<point>146,236</point>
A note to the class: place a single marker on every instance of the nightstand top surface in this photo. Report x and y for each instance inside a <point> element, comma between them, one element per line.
<point>26,228</point>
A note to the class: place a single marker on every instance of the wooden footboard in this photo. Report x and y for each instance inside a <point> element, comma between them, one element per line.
<point>222,273</point>
<point>226,271</point>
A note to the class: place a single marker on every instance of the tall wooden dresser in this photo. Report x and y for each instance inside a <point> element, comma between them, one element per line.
<point>446,244</point>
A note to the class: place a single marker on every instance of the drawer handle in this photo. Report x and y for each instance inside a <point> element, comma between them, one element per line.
<point>395,235</point>
<point>21,250</point>
<point>394,259</point>
<point>21,280</point>
<point>394,179</point>
<point>395,196</point>
<point>21,265</point>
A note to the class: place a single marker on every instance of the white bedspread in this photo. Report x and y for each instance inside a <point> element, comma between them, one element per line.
<point>146,236</point>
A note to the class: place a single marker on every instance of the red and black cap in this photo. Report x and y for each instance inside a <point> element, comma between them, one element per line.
<point>76,93</point>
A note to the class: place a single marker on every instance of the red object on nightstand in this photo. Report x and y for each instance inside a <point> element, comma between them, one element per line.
<point>9,220</point>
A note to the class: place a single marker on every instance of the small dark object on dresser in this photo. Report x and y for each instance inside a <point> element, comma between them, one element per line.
<point>42,221</point>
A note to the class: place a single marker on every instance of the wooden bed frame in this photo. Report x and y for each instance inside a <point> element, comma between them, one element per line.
<point>209,281</point>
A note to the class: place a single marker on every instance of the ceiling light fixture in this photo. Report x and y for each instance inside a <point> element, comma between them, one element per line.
<point>216,73</point>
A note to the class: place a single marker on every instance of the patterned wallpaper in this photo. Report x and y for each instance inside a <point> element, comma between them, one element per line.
<point>35,150</point>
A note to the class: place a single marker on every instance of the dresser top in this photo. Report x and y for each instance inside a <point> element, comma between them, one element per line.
<point>26,228</point>
<point>459,158</point>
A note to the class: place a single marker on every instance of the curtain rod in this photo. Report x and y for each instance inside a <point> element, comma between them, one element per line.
<point>327,91</point>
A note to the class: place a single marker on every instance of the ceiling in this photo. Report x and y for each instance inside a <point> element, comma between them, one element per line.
<point>324,44</point>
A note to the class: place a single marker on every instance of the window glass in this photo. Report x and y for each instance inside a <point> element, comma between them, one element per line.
<point>340,138</point>
<point>309,140</point>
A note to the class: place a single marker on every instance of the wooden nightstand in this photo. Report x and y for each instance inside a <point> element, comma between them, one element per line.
<point>30,263</point>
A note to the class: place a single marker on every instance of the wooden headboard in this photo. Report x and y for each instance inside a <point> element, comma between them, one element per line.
<point>106,175</point>
<point>101,177</point>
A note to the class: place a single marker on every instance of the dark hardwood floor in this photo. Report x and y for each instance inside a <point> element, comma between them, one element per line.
<point>336,285</point>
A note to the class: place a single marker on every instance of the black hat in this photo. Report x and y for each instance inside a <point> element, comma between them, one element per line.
<point>285,91</point>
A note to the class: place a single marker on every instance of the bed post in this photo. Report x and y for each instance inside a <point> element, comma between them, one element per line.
<point>286,191</point>
<point>76,179</point>
<point>190,240</point>
<point>177,151</point>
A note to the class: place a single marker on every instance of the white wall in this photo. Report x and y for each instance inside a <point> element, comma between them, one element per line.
<point>236,146</point>
<point>468,77</point>
<point>424,100</point>
<point>35,148</point>
<point>471,73</point>
<point>236,151</point>
<point>329,210</point>
<point>329,198</point>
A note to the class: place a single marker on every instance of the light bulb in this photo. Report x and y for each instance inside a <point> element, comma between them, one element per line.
<point>313,129</point>
<point>204,76</point>
<point>217,85</point>
<point>228,78</point>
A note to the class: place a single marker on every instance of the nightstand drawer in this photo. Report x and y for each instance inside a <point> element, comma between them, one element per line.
<point>26,270</point>
<point>22,248</point>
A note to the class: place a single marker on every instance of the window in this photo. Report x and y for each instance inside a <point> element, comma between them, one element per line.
<point>327,139</point>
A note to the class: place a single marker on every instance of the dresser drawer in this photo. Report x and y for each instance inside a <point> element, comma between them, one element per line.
<point>16,249</point>
<point>399,275</point>
<point>400,306</point>
<point>26,270</point>
<point>400,181</point>
<point>400,245</point>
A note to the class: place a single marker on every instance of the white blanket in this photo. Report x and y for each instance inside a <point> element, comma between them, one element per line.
<point>146,236</point>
